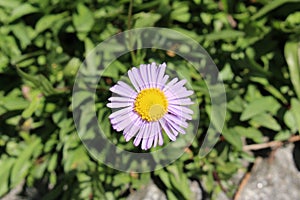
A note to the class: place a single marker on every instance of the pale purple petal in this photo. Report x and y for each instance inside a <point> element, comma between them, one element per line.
<point>146,136</point>
<point>123,91</point>
<point>170,84</point>
<point>182,109</point>
<point>166,129</point>
<point>157,131</point>
<point>119,104</point>
<point>132,129</point>
<point>143,72</point>
<point>164,81</point>
<point>122,123</point>
<point>120,112</point>
<point>179,95</point>
<point>121,126</point>
<point>160,138</point>
<point>175,132</point>
<point>179,113</point>
<point>137,76</point>
<point>161,72</point>
<point>133,81</point>
<point>150,141</point>
<point>153,73</point>
<point>132,132</point>
<point>140,135</point>
<point>149,75</point>
<point>176,120</point>
<point>126,86</point>
<point>178,85</point>
<point>121,99</point>
<point>175,126</point>
<point>185,101</point>
<point>173,92</point>
<point>155,140</point>
<point>120,118</point>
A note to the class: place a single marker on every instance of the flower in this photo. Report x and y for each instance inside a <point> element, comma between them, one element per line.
<point>151,106</point>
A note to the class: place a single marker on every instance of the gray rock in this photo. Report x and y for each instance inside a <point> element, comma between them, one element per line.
<point>150,192</point>
<point>14,193</point>
<point>196,190</point>
<point>277,179</point>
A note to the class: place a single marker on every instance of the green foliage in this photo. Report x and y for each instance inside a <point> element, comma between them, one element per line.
<point>42,44</point>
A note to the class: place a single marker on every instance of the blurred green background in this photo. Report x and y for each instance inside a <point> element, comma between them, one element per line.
<point>254,43</point>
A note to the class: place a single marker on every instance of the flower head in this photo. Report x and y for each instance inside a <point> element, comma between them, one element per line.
<point>150,105</point>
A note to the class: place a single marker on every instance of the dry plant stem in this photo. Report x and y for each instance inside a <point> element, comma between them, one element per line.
<point>271,144</point>
<point>242,185</point>
<point>245,179</point>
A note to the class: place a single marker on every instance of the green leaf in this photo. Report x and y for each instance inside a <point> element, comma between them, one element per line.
<point>295,109</point>
<point>224,35</point>
<point>114,70</point>
<point>3,62</point>
<point>290,120</point>
<point>259,106</point>
<point>292,52</point>
<point>10,3</point>
<point>39,81</point>
<point>75,159</point>
<point>5,165</point>
<point>20,31</point>
<point>265,120</point>
<point>84,20</point>
<point>72,67</point>
<point>252,93</point>
<point>26,58</point>
<point>294,18</point>
<point>171,195</point>
<point>233,138</point>
<point>9,46</point>
<point>32,107</point>
<point>283,135</point>
<point>48,21</point>
<point>23,162</point>
<point>236,105</point>
<point>164,176</point>
<point>13,103</point>
<point>146,19</point>
<point>121,179</point>
<point>52,163</point>
<point>251,133</point>
<point>180,12</point>
<point>39,169</point>
<point>226,73</point>
<point>208,181</point>
<point>271,6</point>
<point>23,9</point>
<point>228,168</point>
<point>179,180</point>
<point>270,88</point>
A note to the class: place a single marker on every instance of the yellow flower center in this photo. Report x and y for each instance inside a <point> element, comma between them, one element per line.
<point>151,104</point>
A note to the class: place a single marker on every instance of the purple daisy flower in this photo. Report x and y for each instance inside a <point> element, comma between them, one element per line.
<point>151,106</point>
